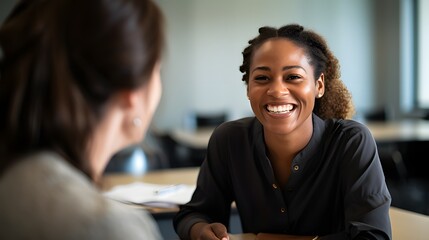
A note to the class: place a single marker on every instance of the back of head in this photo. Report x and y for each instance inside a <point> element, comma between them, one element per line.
<point>62,61</point>
<point>336,101</point>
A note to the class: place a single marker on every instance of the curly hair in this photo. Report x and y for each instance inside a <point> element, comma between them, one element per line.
<point>337,100</point>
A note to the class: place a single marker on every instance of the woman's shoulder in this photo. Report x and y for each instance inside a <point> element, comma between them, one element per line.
<point>50,188</point>
<point>42,170</point>
<point>348,129</point>
<point>125,222</point>
<point>52,184</point>
<point>237,124</point>
<point>238,127</point>
<point>50,171</point>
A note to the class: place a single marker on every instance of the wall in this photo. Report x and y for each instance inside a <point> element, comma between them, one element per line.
<point>387,56</point>
<point>206,38</point>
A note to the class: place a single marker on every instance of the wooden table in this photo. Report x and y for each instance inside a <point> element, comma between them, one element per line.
<point>409,225</point>
<point>164,176</point>
<point>405,224</point>
<point>405,130</point>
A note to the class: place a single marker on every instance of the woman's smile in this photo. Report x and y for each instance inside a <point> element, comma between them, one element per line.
<point>279,109</point>
<point>282,88</point>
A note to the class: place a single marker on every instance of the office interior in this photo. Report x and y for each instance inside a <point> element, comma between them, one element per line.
<point>378,46</point>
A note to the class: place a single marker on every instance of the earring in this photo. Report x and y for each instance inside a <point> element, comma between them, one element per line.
<point>137,122</point>
<point>320,95</point>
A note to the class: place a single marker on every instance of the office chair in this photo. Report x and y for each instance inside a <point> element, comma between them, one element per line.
<point>392,164</point>
<point>178,154</point>
<point>426,116</point>
<point>137,160</point>
<point>209,120</point>
<point>377,115</point>
<point>407,192</point>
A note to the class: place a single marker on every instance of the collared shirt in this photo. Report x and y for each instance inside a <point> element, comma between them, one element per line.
<point>336,188</point>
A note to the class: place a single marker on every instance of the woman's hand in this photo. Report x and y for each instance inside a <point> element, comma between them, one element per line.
<point>209,231</point>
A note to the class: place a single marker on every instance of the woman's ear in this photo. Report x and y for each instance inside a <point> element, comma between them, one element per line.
<point>132,107</point>
<point>128,98</point>
<point>320,86</point>
<point>131,103</point>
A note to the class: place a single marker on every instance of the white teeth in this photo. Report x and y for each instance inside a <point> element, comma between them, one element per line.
<point>280,108</point>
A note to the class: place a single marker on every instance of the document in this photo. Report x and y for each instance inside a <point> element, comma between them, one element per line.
<point>152,195</point>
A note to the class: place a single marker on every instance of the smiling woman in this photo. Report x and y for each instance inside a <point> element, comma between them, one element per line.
<point>326,107</point>
<point>299,160</point>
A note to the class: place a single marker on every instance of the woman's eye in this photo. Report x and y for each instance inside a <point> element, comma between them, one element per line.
<point>293,77</point>
<point>261,78</point>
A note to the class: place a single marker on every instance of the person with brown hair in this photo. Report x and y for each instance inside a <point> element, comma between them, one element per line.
<point>79,81</point>
<point>301,166</point>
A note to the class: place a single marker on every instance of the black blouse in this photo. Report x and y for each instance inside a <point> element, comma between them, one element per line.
<point>336,188</point>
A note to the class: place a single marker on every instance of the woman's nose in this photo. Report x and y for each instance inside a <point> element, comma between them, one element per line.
<point>278,89</point>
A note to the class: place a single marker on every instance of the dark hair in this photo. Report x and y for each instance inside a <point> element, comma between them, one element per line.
<point>336,101</point>
<point>62,61</point>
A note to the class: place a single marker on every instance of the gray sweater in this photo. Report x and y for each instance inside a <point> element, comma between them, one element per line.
<point>44,197</point>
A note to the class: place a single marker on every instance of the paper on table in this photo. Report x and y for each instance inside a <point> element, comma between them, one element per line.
<point>155,195</point>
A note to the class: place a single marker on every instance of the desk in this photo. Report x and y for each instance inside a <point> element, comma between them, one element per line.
<point>406,130</point>
<point>405,224</point>
<point>410,138</point>
<point>198,138</point>
<point>165,176</point>
<point>409,225</point>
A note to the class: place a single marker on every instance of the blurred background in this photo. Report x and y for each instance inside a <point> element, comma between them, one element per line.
<point>376,42</point>
<point>383,49</point>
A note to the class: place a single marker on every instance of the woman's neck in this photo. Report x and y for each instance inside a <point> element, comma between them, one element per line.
<point>290,144</point>
<point>106,141</point>
<point>282,149</point>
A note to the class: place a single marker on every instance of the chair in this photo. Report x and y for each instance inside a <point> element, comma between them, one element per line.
<point>407,192</point>
<point>195,156</point>
<point>170,147</point>
<point>426,116</point>
<point>209,120</point>
<point>137,160</point>
<point>392,163</point>
<point>178,154</point>
<point>376,115</point>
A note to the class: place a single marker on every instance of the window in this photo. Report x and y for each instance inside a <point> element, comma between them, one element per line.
<point>422,54</point>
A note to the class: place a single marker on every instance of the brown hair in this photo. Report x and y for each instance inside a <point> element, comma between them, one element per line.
<point>62,61</point>
<point>336,101</point>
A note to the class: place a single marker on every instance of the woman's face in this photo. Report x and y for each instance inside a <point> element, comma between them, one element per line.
<point>282,88</point>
